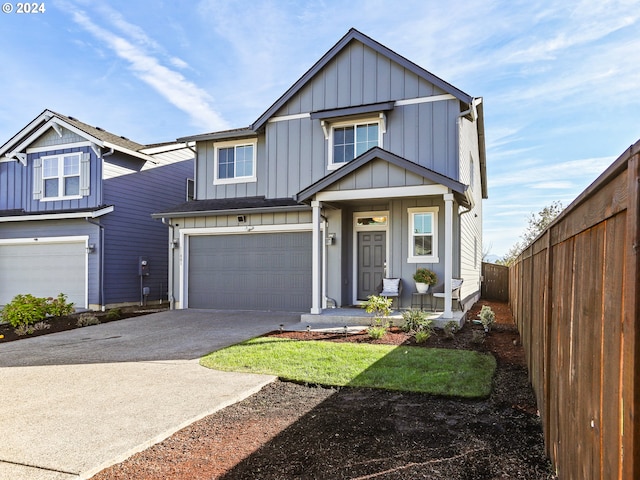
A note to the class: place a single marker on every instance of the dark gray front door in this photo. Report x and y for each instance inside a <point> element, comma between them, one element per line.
<point>372,259</point>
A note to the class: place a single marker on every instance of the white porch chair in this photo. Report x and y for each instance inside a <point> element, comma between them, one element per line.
<point>391,288</point>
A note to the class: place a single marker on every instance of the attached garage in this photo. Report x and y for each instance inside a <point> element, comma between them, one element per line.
<point>253,271</point>
<point>44,268</point>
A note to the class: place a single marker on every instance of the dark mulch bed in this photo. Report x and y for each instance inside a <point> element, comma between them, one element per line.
<point>305,432</point>
<point>61,324</point>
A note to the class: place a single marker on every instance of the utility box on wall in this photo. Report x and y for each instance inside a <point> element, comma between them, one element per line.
<point>143,266</point>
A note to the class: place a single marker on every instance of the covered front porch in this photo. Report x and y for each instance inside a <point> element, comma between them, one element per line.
<point>365,229</point>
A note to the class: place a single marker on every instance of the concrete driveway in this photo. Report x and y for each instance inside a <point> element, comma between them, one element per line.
<point>76,402</point>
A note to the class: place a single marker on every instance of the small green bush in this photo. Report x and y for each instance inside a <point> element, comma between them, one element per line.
<point>24,310</point>
<point>477,337</point>
<point>58,307</point>
<point>450,329</point>
<point>415,320</point>
<point>376,332</point>
<point>114,314</point>
<point>87,319</point>
<point>487,317</point>
<point>422,335</point>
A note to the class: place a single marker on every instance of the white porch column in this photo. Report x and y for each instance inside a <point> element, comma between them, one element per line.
<point>316,259</point>
<point>448,253</point>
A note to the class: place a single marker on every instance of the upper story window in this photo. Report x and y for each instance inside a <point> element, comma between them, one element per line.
<point>423,235</point>
<point>235,162</point>
<point>61,176</point>
<point>348,140</point>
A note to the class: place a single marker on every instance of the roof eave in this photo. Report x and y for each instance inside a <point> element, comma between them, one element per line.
<point>230,211</point>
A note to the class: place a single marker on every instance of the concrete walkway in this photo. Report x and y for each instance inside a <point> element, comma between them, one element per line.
<point>76,402</point>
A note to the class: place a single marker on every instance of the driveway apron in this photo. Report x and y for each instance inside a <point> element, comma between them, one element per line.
<point>76,402</point>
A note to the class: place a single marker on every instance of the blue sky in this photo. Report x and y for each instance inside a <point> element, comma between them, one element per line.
<point>560,78</point>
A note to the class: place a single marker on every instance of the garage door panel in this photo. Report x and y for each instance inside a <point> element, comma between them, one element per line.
<point>250,272</point>
<point>43,270</point>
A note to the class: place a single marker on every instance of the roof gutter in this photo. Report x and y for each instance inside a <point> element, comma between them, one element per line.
<point>231,211</point>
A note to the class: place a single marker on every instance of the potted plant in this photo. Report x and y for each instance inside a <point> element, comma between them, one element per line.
<point>424,278</point>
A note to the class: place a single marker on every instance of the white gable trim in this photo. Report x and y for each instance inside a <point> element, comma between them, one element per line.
<point>284,118</point>
<point>391,192</point>
<point>50,148</point>
<point>58,216</point>
<point>432,98</point>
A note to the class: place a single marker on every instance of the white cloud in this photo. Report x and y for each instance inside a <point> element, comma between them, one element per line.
<point>170,84</point>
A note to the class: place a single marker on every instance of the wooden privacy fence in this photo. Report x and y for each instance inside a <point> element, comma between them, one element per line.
<point>495,282</point>
<point>574,295</point>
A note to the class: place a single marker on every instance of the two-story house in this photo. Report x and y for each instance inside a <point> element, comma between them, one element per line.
<point>75,213</point>
<point>369,166</point>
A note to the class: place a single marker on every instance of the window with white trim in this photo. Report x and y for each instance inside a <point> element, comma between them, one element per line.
<point>349,140</point>
<point>61,176</point>
<point>423,235</point>
<point>235,162</point>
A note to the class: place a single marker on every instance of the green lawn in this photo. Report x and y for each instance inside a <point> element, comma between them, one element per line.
<point>437,371</point>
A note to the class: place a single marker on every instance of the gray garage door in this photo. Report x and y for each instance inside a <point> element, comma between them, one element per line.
<point>266,271</point>
<point>43,270</point>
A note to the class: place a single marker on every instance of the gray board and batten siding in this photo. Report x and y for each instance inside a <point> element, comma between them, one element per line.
<point>297,148</point>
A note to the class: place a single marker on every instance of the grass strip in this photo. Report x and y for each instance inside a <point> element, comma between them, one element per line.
<point>459,373</point>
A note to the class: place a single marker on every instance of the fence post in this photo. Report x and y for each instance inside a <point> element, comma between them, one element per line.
<point>631,328</point>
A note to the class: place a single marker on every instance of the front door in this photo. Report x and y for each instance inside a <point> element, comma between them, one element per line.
<point>372,261</point>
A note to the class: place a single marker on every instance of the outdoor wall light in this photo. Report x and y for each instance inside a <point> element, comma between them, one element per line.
<point>91,248</point>
<point>175,243</point>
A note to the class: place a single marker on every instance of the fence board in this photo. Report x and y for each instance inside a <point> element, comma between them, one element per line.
<point>574,295</point>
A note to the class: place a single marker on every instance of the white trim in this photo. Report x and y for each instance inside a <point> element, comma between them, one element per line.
<point>368,228</point>
<point>57,240</point>
<point>60,146</point>
<point>284,118</point>
<point>60,176</point>
<point>378,119</point>
<point>58,216</point>
<point>433,258</point>
<point>235,143</point>
<point>388,192</point>
<point>316,258</point>
<point>433,98</point>
<point>448,254</point>
<point>185,233</point>
<point>40,240</point>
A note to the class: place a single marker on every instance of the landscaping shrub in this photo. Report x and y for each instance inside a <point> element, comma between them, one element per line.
<point>24,310</point>
<point>415,320</point>
<point>450,329</point>
<point>87,319</point>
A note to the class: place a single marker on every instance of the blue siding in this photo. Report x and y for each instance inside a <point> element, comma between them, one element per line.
<point>130,232</point>
<point>11,185</point>
<point>90,201</point>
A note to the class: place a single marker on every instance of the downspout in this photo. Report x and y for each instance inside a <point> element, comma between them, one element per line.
<point>171,249</point>
<point>101,276</point>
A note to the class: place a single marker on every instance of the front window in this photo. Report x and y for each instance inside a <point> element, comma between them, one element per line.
<point>423,238</point>
<point>61,176</point>
<point>352,140</point>
<point>235,163</point>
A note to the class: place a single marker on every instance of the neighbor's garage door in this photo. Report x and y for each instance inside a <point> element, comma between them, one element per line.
<point>44,270</point>
<point>261,271</point>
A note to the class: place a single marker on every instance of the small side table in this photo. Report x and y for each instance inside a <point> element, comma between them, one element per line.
<point>419,300</point>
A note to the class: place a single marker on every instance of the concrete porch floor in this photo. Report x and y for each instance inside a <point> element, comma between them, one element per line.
<point>355,318</point>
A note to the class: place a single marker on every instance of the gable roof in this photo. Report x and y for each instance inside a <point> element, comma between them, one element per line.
<point>351,35</point>
<point>14,148</point>
<point>374,153</point>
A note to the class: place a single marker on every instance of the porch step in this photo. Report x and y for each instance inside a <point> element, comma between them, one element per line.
<point>350,317</point>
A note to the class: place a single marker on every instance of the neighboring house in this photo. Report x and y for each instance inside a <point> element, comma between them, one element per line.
<point>368,166</point>
<point>75,212</point>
